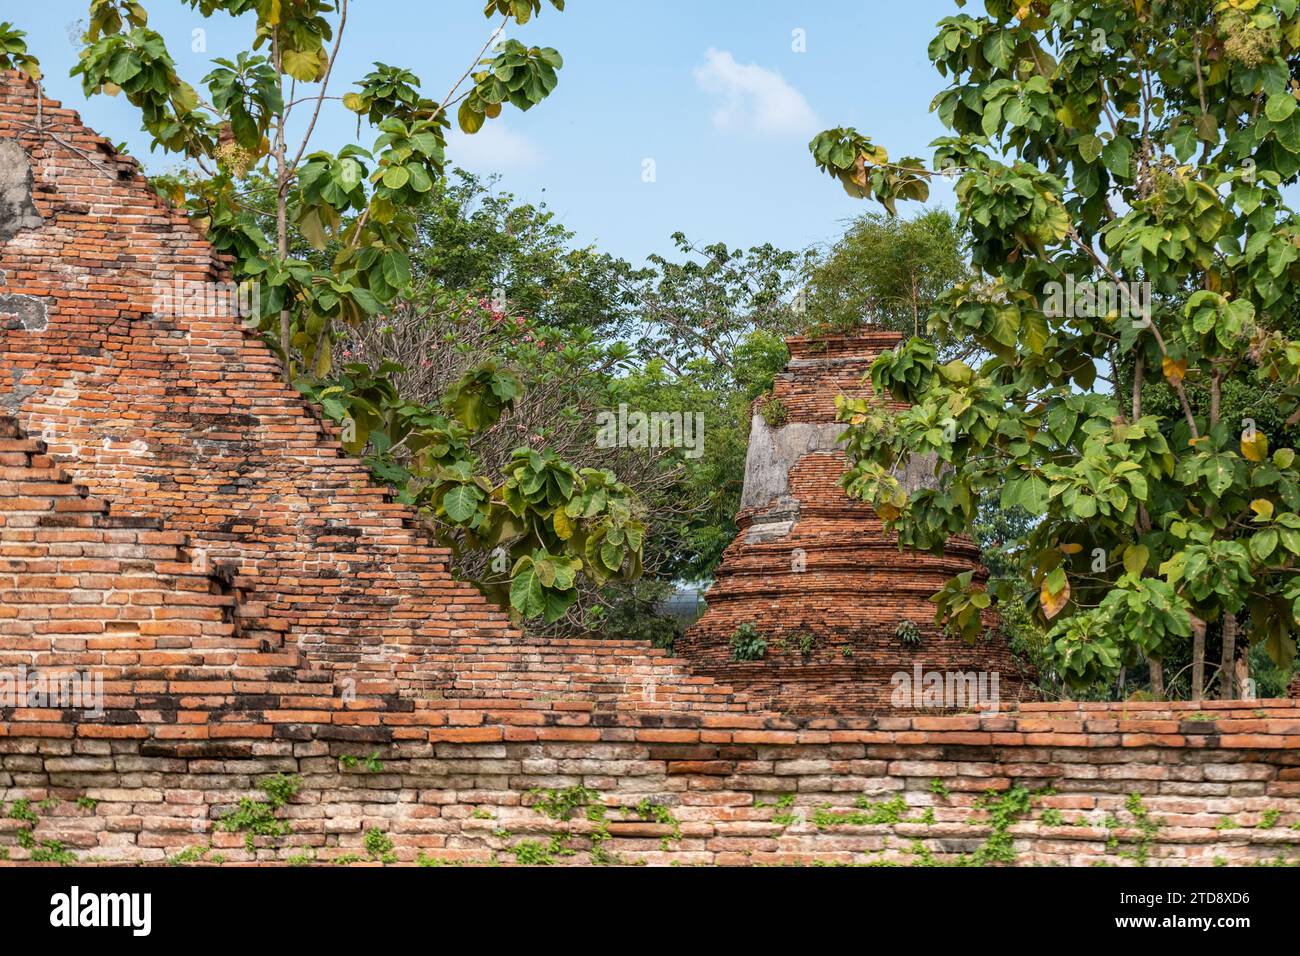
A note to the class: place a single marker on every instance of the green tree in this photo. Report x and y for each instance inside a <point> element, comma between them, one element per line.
<point>357,197</point>
<point>1120,168</point>
<point>496,280</point>
<point>886,271</point>
<point>14,54</point>
<point>697,313</point>
<point>709,330</point>
<point>472,236</point>
<point>325,238</point>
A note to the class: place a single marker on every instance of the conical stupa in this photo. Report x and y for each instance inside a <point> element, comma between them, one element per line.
<point>842,612</point>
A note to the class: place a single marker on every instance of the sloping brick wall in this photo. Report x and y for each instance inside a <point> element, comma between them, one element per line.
<point>117,599</point>
<point>83,589</point>
<point>814,571</point>
<point>185,418</point>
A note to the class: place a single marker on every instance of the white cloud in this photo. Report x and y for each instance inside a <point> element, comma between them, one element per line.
<point>753,99</point>
<point>494,148</point>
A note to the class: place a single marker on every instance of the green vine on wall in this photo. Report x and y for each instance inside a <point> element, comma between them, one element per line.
<point>773,411</point>
<point>564,804</point>
<point>255,818</point>
<point>44,851</point>
<point>747,644</point>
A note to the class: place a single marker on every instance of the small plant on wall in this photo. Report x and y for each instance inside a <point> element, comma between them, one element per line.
<point>747,644</point>
<point>908,632</point>
<point>774,412</point>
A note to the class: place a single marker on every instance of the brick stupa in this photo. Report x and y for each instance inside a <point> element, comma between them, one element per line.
<point>814,572</point>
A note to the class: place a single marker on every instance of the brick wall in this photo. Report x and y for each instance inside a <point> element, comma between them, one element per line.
<point>80,588</point>
<point>185,419</point>
<point>1079,785</point>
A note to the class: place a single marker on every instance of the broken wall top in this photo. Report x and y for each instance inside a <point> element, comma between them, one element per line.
<point>185,418</point>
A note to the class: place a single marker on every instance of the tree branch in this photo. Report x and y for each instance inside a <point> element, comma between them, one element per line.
<point>324,83</point>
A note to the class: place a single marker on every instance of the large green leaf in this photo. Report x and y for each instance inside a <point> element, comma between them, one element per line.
<point>526,593</point>
<point>461,503</point>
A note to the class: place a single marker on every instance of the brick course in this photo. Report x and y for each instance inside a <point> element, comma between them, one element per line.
<point>1220,783</point>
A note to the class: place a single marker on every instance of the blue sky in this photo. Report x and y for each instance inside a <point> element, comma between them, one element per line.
<point>712,92</point>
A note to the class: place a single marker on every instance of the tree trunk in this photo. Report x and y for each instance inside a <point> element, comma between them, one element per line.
<point>1157,679</point>
<point>1144,525</point>
<point>916,307</point>
<point>1228,663</point>
<point>1138,369</point>
<point>1245,691</point>
<point>1198,658</point>
<point>281,208</point>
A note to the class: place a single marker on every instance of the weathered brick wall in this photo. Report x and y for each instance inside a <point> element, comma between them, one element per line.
<point>824,367</point>
<point>814,571</point>
<point>80,588</point>
<point>118,597</point>
<point>1093,785</point>
<point>184,418</point>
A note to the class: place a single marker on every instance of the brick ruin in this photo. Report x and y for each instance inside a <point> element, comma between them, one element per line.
<point>289,672</point>
<point>813,570</point>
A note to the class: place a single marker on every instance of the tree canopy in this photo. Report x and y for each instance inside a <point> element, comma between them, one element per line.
<point>1120,167</point>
